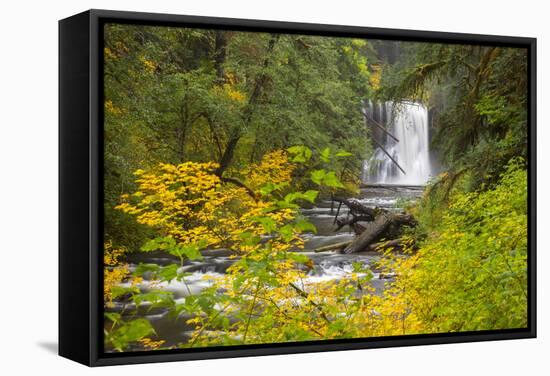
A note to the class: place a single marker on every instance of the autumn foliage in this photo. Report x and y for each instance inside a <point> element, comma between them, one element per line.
<point>464,274</point>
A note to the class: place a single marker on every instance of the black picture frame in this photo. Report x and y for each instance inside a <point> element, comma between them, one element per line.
<point>81,181</point>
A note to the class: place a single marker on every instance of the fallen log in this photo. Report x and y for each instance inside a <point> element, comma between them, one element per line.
<point>370,224</point>
<point>403,219</point>
<point>389,156</point>
<point>380,126</point>
<point>352,222</point>
<point>359,226</point>
<point>333,247</point>
<point>373,232</point>
<point>387,225</point>
<point>395,244</point>
<point>356,207</point>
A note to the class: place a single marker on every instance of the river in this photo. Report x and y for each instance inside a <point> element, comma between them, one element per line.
<point>403,143</point>
<point>326,265</point>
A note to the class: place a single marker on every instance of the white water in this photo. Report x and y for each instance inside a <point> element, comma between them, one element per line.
<point>327,267</point>
<point>408,122</point>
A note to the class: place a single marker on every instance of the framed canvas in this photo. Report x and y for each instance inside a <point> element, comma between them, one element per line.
<point>236,187</point>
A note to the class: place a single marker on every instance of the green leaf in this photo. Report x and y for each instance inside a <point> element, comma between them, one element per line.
<point>292,196</point>
<point>151,245</point>
<point>304,225</point>
<point>113,316</point>
<point>238,281</point>
<point>286,232</point>
<point>301,154</point>
<point>325,155</point>
<point>267,189</point>
<point>189,305</point>
<point>295,149</point>
<point>203,243</point>
<point>118,291</point>
<point>157,298</point>
<point>331,180</point>
<point>161,243</point>
<point>298,257</point>
<point>285,205</point>
<point>168,273</point>
<point>249,239</point>
<point>257,267</point>
<point>299,159</point>
<point>269,225</point>
<point>130,331</point>
<point>310,195</point>
<point>317,176</point>
<point>141,269</point>
<point>137,329</point>
<point>191,251</point>
<point>343,154</point>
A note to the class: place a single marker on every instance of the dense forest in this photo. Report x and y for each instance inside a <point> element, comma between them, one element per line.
<point>219,146</point>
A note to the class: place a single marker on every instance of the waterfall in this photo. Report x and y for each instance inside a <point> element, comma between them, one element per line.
<point>408,122</point>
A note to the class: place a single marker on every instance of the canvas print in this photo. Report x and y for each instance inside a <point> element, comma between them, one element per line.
<point>268,188</point>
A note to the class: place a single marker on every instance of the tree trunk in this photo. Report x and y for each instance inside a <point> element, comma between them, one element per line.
<point>372,233</point>
<point>227,155</point>
<point>371,224</point>
<point>236,132</point>
<point>356,208</point>
<point>333,247</point>
<point>396,245</point>
<point>355,222</point>
<point>220,45</point>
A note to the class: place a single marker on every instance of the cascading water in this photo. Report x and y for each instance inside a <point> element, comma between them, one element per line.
<point>408,122</point>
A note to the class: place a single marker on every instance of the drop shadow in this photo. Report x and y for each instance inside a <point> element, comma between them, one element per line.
<point>51,347</point>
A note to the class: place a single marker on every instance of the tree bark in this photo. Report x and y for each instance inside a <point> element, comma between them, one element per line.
<point>356,208</point>
<point>236,132</point>
<point>332,247</point>
<point>228,153</point>
<point>395,244</point>
<point>353,222</point>
<point>220,45</point>
<point>372,233</point>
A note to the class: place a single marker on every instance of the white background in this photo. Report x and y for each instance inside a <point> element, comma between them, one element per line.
<point>28,186</point>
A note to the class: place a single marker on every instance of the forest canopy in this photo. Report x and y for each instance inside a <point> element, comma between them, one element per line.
<point>175,95</point>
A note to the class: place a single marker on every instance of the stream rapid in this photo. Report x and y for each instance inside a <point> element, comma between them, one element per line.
<point>327,266</point>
